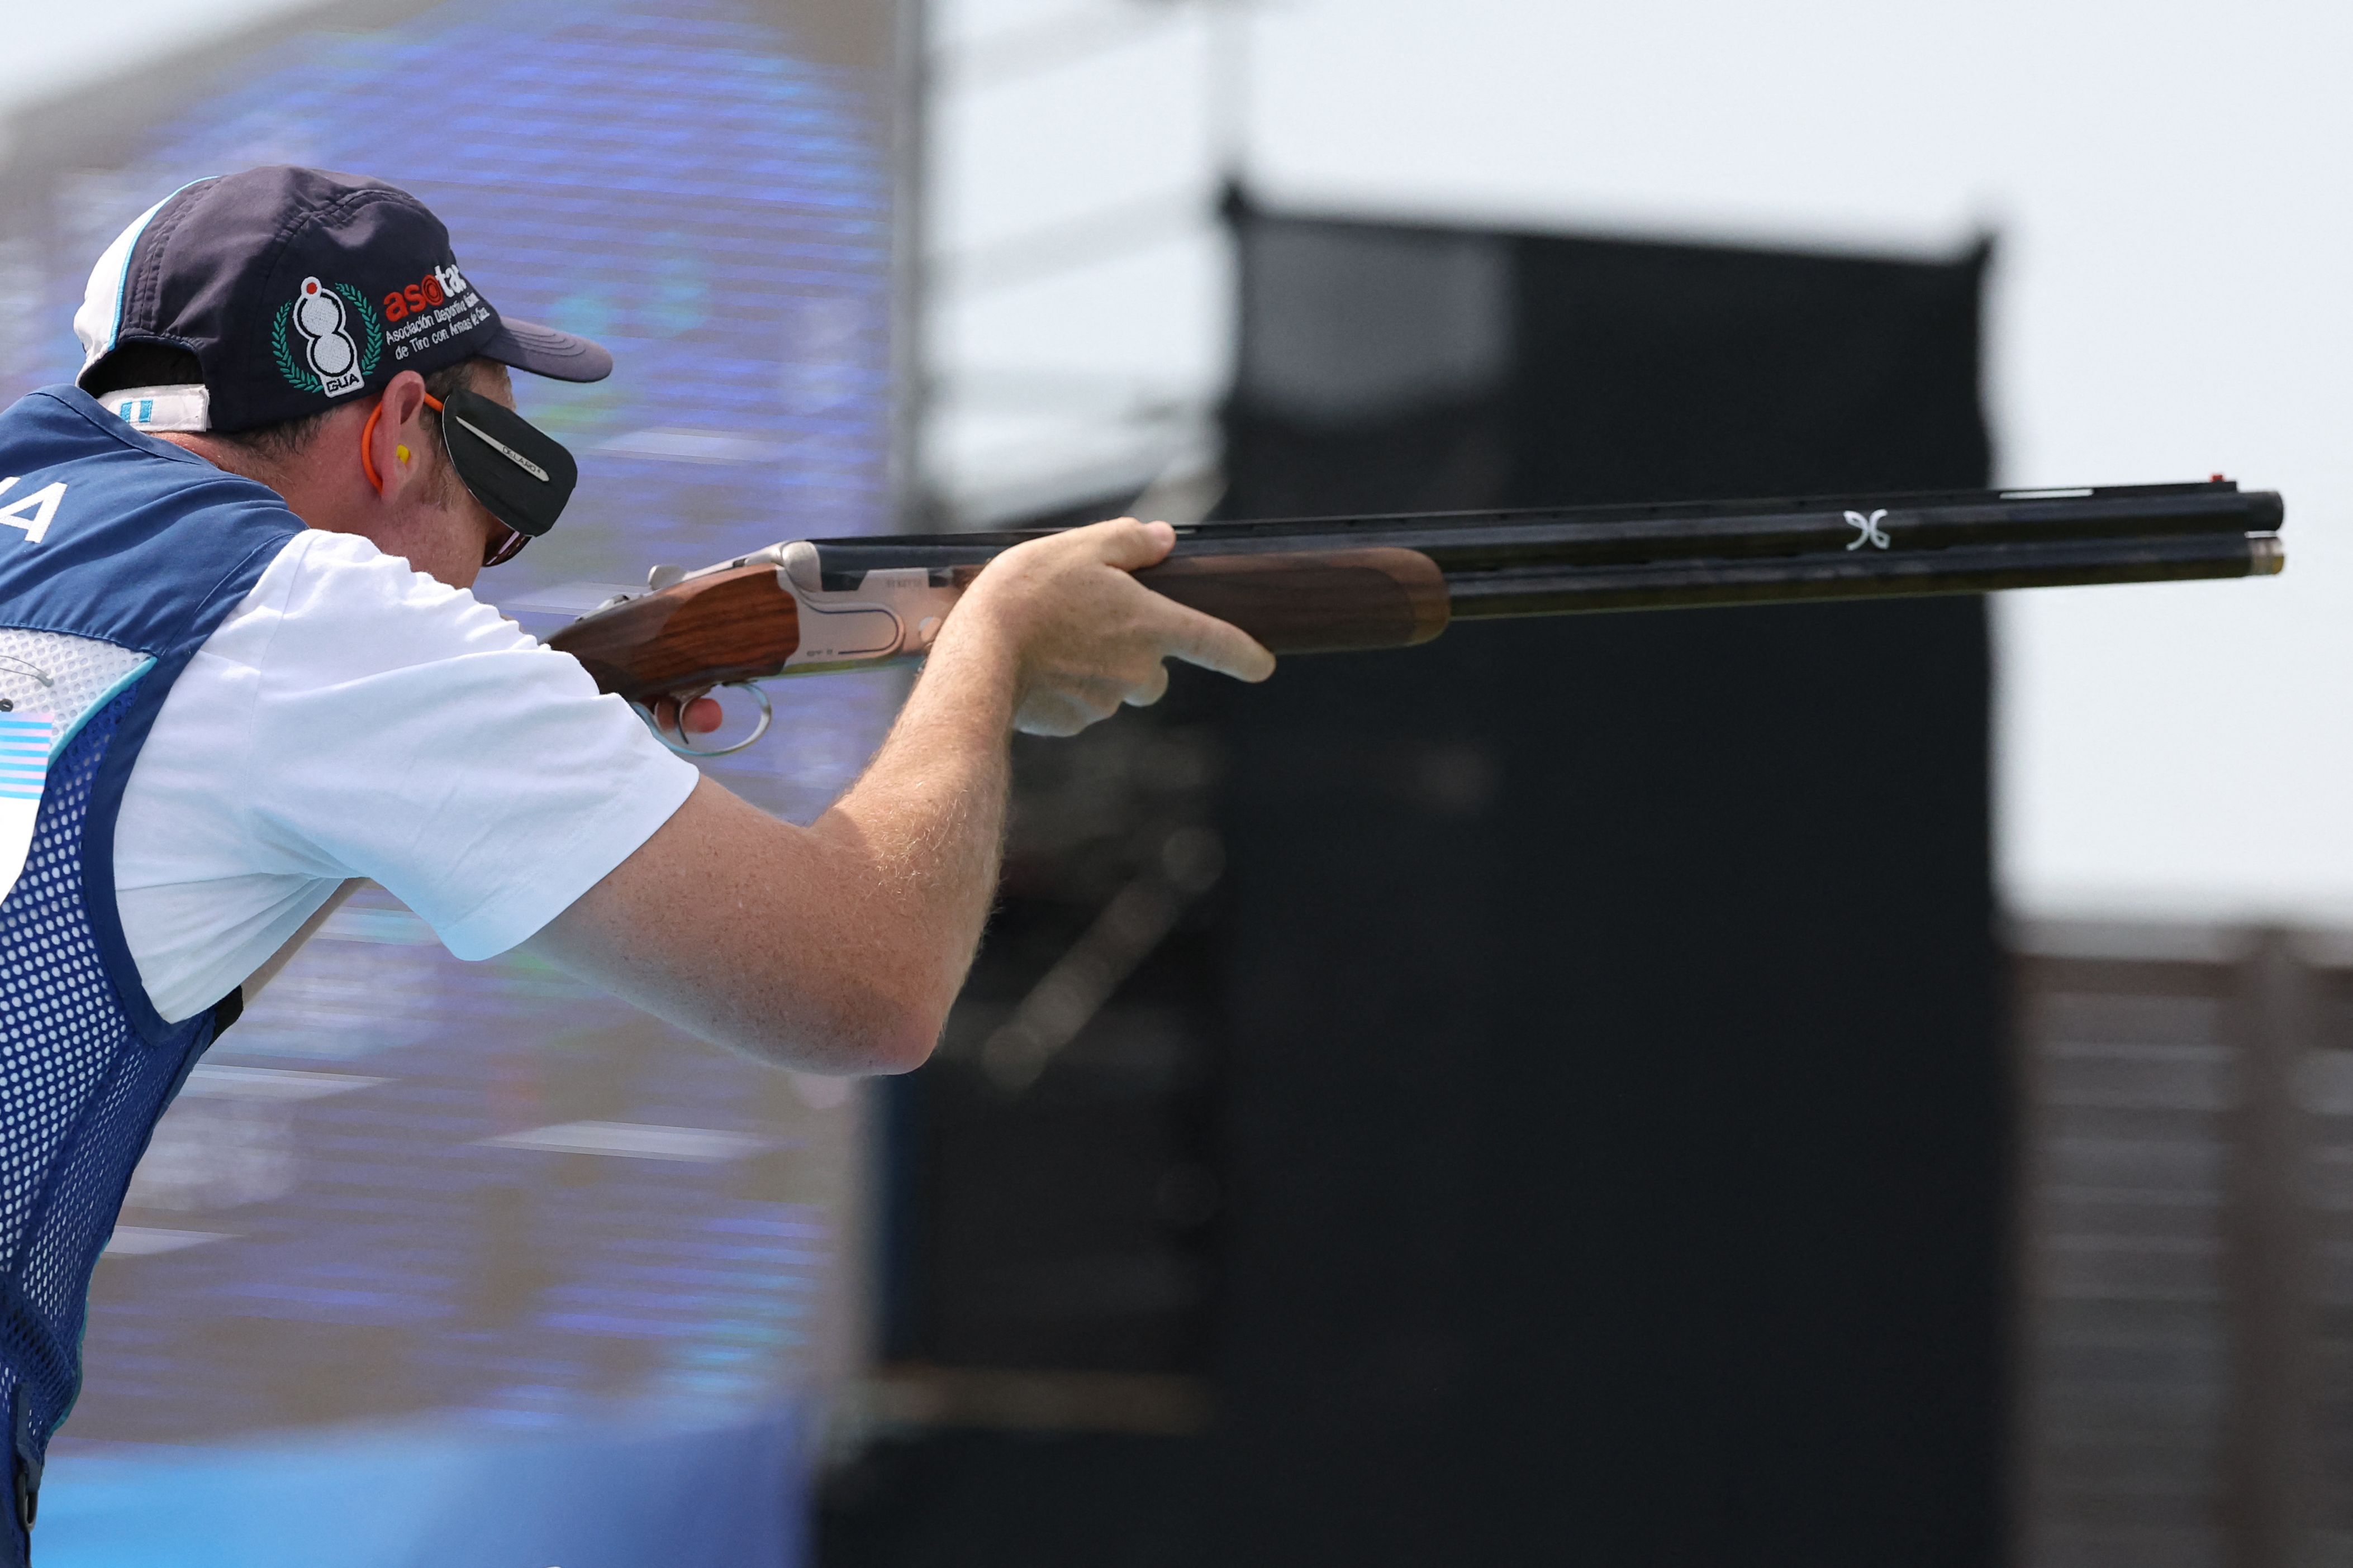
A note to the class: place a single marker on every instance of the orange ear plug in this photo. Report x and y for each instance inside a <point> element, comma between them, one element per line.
<point>367,434</point>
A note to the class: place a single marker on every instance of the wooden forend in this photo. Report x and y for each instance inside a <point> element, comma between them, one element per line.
<point>1330,601</point>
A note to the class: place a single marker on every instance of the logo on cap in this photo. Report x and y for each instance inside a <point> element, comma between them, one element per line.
<point>333,362</point>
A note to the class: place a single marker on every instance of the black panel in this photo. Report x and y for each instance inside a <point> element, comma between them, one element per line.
<point>1611,1106</point>
<point>1726,372</point>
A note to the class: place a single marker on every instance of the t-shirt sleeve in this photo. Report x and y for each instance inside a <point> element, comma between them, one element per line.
<point>405,732</point>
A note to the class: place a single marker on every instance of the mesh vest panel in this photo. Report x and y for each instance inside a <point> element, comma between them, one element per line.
<point>79,1092</point>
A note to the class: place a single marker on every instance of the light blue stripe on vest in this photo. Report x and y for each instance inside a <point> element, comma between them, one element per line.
<point>97,705</point>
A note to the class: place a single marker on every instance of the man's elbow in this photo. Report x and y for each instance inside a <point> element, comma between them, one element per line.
<point>903,1038</point>
<point>871,1031</point>
<point>903,1016</point>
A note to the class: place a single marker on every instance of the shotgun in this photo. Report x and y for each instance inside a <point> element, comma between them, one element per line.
<point>1333,585</point>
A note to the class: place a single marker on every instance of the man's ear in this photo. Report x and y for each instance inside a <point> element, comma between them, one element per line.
<point>392,443</point>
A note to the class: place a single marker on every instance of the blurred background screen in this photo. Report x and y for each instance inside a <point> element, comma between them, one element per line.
<point>476,1202</point>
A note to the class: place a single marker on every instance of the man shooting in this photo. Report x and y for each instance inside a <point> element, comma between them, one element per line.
<point>240,668</point>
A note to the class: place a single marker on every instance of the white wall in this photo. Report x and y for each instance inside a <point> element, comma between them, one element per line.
<point>55,49</point>
<point>2173,188</point>
<point>2173,184</point>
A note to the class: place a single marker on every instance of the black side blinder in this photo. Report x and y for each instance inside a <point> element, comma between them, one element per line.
<point>519,472</point>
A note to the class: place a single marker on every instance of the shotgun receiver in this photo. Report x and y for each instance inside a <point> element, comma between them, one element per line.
<point>1329,584</point>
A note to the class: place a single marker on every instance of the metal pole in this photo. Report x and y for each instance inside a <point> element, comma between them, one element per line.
<point>912,505</point>
<point>1229,95</point>
<point>2269,1475</point>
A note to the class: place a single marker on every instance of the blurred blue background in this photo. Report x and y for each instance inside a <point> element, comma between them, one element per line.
<point>527,1272</point>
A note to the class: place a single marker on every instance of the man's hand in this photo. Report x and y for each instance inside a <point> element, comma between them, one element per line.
<point>1085,635</point>
<point>840,947</point>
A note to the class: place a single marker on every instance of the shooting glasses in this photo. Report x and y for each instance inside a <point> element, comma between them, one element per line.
<point>519,473</point>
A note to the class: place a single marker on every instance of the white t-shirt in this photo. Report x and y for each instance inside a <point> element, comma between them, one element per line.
<point>355,718</point>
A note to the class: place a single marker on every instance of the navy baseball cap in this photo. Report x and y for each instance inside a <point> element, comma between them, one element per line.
<point>298,289</point>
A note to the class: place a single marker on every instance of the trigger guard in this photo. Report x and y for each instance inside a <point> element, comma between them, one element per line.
<point>684,745</point>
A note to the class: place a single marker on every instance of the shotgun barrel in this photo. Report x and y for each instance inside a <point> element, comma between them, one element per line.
<point>1666,531</point>
<point>1322,584</point>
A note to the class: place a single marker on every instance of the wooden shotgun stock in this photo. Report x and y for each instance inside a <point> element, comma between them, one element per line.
<point>714,630</point>
<point>1329,584</point>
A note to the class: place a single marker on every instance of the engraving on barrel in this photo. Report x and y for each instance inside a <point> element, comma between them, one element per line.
<point>1869,531</point>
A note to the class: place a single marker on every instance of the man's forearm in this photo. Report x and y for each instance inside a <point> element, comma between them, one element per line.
<point>925,823</point>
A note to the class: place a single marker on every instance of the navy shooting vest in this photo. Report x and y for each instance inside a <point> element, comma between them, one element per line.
<point>119,554</point>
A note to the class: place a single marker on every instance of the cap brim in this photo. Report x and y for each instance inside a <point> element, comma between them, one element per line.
<point>544,351</point>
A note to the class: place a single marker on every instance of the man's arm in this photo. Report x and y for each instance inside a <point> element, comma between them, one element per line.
<point>840,947</point>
